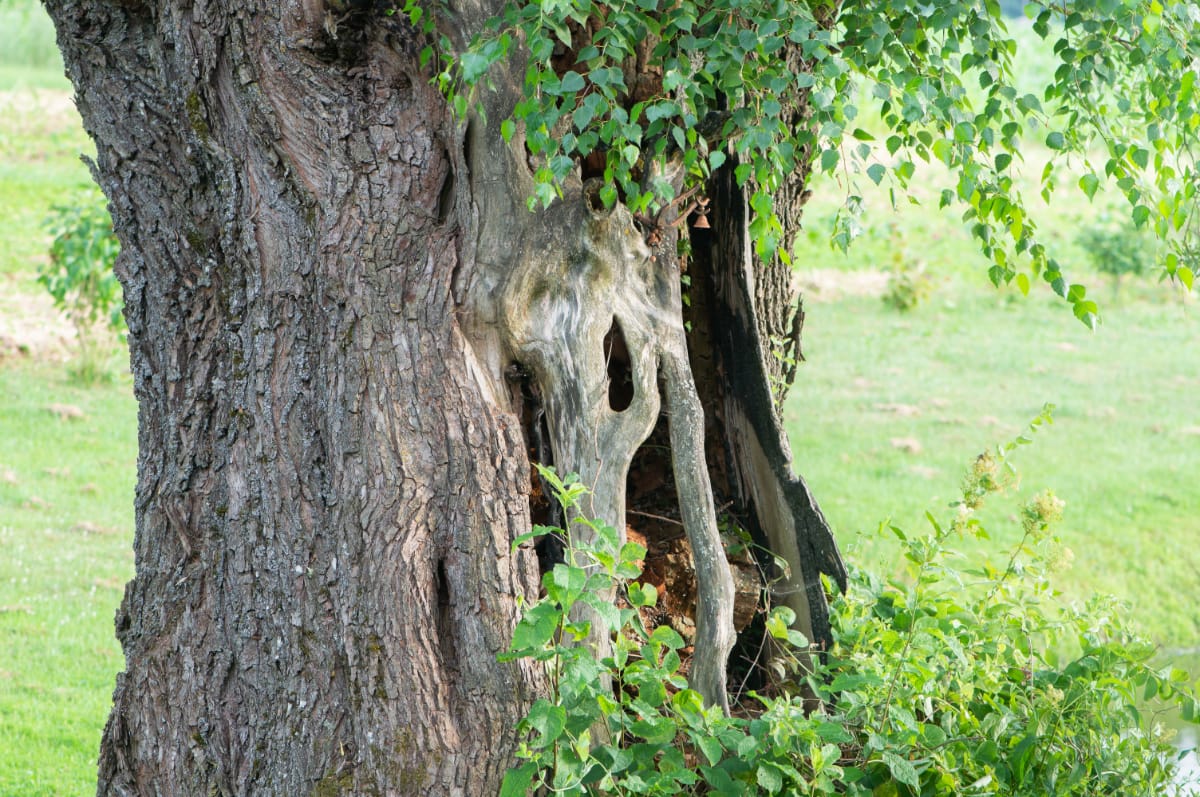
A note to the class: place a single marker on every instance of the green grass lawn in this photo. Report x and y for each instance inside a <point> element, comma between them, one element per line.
<point>67,463</point>
<point>67,466</point>
<point>890,408</point>
<point>885,416</point>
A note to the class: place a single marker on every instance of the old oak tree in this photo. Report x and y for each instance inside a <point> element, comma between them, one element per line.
<point>377,259</point>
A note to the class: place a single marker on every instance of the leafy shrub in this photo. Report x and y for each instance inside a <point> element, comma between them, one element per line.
<point>1117,249</point>
<point>79,276</point>
<point>965,680</point>
<point>909,285</point>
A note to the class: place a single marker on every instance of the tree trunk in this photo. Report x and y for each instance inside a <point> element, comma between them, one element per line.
<point>327,281</point>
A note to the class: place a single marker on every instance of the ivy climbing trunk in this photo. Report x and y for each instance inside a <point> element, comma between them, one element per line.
<point>329,286</point>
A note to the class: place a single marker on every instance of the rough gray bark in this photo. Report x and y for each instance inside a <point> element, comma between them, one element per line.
<point>326,280</point>
<point>327,493</point>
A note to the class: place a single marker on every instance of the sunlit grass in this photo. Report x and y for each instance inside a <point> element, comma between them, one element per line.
<point>67,462</point>
<point>890,407</point>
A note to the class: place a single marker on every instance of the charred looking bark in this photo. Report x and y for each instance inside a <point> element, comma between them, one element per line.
<point>775,503</point>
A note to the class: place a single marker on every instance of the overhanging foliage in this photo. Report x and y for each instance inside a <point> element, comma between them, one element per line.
<point>643,89</point>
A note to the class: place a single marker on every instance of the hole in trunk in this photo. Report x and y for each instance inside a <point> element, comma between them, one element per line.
<point>543,509</point>
<point>445,202</point>
<point>654,520</point>
<point>591,193</point>
<point>445,622</point>
<point>620,374</point>
<point>592,167</point>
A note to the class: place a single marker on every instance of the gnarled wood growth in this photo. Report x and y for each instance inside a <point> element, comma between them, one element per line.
<point>582,272</point>
<point>327,279</point>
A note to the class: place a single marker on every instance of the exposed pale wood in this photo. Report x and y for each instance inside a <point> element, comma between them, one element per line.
<point>583,269</point>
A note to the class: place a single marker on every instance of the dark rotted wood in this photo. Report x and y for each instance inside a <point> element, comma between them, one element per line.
<point>775,503</point>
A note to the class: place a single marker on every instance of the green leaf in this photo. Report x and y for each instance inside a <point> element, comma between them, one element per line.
<point>583,115</point>
<point>661,110</point>
<point>608,195</point>
<point>560,29</point>
<point>640,595</point>
<point>852,682</point>
<point>571,83</point>
<point>902,770</point>
<point>1021,756</point>
<point>519,782</point>
<point>769,777</point>
<point>1185,276</point>
<point>633,552</point>
<point>564,584</point>
<point>876,172</point>
<point>667,636</point>
<point>778,621</point>
<point>829,159</point>
<point>710,747</point>
<point>473,66</point>
<point>654,728</point>
<point>537,627</point>
<point>1055,140</point>
<point>548,720</point>
<point>1089,183</point>
<point>1087,313</point>
<point>688,704</point>
<point>609,614</point>
<point>934,735</point>
<point>943,150</point>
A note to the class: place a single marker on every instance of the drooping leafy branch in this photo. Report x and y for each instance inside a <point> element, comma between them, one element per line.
<point>644,93</point>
